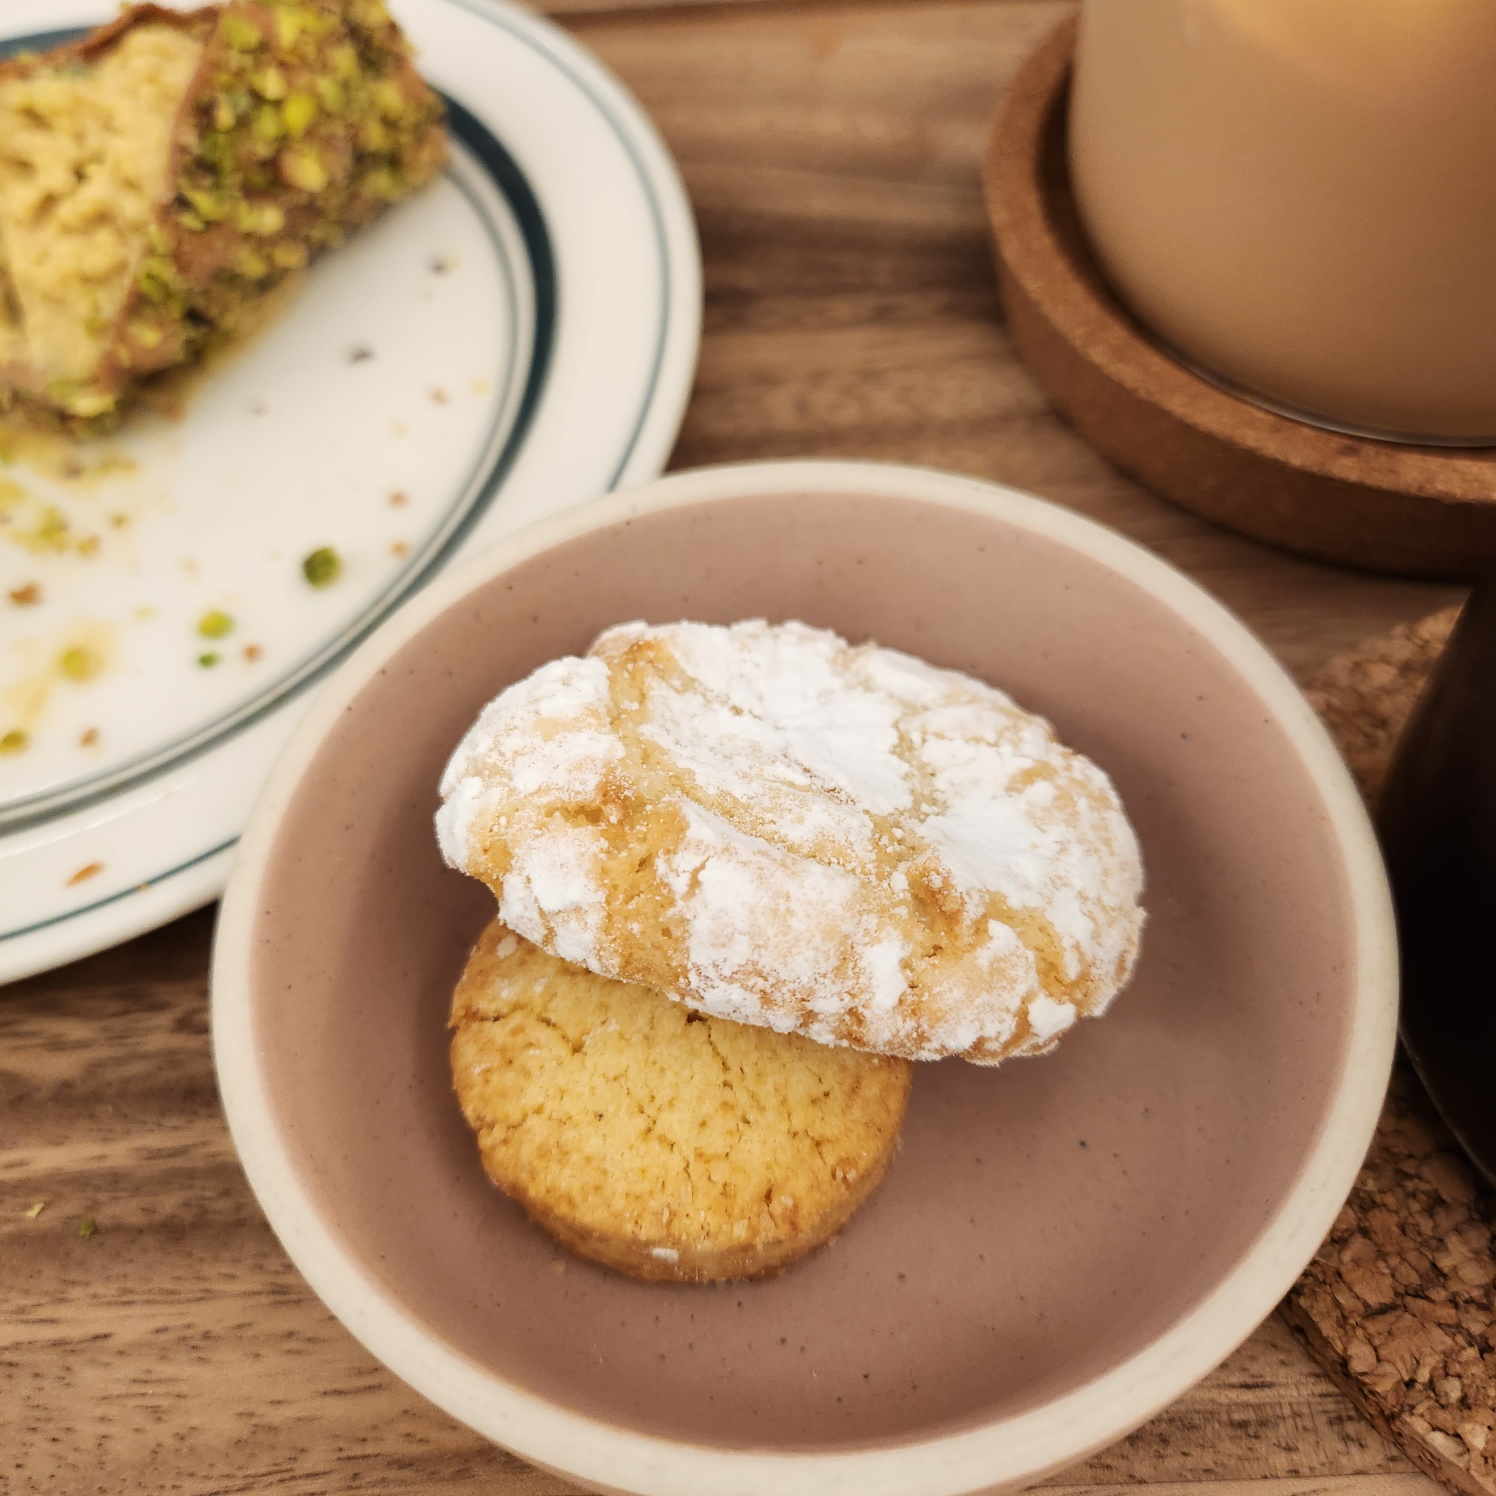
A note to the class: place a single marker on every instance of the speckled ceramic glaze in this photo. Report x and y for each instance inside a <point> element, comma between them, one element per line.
<point>1062,1245</point>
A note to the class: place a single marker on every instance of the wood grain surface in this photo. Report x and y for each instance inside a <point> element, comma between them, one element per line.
<point>832,154</point>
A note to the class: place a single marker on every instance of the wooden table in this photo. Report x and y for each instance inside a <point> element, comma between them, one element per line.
<point>832,153</point>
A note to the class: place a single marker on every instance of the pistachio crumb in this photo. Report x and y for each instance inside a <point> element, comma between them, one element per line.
<point>33,1211</point>
<point>303,169</point>
<point>209,659</point>
<point>215,623</point>
<point>270,84</point>
<point>14,740</point>
<point>298,112</point>
<point>323,567</point>
<point>289,256</point>
<point>86,1227</point>
<point>241,35</point>
<point>80,663</point>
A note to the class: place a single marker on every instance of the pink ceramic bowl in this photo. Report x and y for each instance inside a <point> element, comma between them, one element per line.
<point>1063,1244</point>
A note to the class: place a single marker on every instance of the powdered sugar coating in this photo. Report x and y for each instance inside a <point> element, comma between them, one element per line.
<point>780,828</point>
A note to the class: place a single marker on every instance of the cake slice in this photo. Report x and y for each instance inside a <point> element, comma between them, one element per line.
<point>165,171</point>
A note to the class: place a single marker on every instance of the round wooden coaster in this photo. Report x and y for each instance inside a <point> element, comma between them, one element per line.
<point>1419,511</point>
<point>1398,1304</point>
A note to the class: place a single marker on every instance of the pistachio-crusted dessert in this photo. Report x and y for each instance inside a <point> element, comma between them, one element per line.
<point>164,172</point>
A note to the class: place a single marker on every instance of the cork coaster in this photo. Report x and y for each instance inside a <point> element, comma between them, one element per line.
<point>1419,511</point>
<point>1398,1304</point>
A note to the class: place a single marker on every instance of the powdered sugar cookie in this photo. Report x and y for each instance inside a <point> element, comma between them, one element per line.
<point>776,827</point>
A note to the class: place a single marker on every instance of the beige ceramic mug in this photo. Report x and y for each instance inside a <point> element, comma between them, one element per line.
<point>1299,197</point>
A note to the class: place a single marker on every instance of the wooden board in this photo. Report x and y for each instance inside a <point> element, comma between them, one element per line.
<point>833,153</point>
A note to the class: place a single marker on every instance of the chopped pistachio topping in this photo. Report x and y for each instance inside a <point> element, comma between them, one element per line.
<point>241,35</point>
<point>86,1227</point>
<point>261,219</point>
<point>382,183</point>
<point>15,740</point>
<point>35,1210</point>
<point>303,169</point>
<point>374,135</point>
<point>211,206</point>
<point>209,659</point>
<point>289,24</point>
<point>389,98</point>
<point>270,83</point>
<point>214,624</point>
<point>266,125</point>
<point>87,403</point>
<point>298,112</point>
<point>251,264</point>
<point>323,567</point>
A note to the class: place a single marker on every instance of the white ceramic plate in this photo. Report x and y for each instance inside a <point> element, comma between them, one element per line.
<point>519,338</point>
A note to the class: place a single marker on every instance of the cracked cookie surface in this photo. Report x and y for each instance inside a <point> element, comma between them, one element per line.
<point>662,1143</point>
<point>776,827</point>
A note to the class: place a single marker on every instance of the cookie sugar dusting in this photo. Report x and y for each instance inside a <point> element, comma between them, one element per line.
<point>777,827</point>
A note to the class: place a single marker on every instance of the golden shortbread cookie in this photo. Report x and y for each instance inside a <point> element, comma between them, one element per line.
<point>782,829</point>
<point>662,1143</point>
